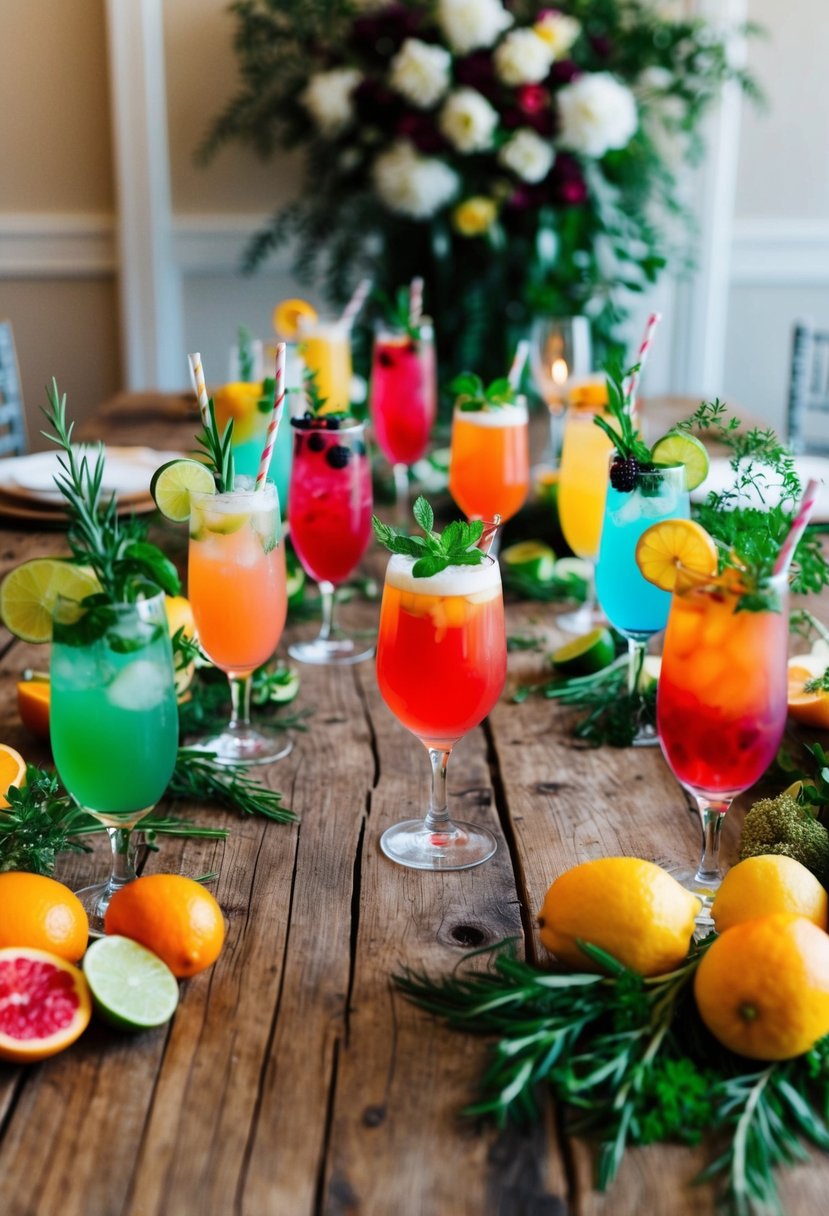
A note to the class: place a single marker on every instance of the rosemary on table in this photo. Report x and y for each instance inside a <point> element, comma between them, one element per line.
<point>197,776</point>
<point>612,714</point>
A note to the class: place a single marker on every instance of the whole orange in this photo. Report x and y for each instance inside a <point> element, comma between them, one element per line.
<point>173,916</point>
<point>42,914</point>
<point>762,988</point>
<point>33,698</point>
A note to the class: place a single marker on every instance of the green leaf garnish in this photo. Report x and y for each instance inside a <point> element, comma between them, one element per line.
<point>397,311</point>
<point>434,551</point>
<point>624,435</point>
<point>218,449</point>
<point>472,395</point>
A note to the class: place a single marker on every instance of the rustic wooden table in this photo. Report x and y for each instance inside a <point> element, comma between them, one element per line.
<point>293,1078</point>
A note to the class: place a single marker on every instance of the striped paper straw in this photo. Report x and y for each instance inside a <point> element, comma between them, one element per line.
<point>804,514</point>
<point>199,387</point>
<point>352,308</point>
<point>487,537</point>
<point>518,361</point>
<point>276,416</point>
<point>635,375</point>
<point>415,300</point>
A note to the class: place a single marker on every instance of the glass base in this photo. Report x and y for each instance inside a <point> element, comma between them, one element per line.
<point>95,900</point>
<point>244,745</point>
<point>464,845</point>
<point>705,887</point>
<point>332,652</point>
<point>582,619</point>
<point>646,736</point>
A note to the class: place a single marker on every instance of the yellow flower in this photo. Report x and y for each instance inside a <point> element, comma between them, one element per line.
<point>474,216</point>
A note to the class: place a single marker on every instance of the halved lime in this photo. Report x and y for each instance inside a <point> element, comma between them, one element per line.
<point>649,675</point>
<point>28,594</point>
<point>223,523</point>
<point>678,448</point>
<point>131,986</point>
<point>531,558</point>
<point>175,481</point>
<point>589,653</point>
<point>574,567</point>
<point>295,580</point>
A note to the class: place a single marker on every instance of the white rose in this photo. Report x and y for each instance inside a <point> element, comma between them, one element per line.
<point>528,155</point>
<point>522,58</point>
<point>469,24</point>
<point>420,72</point>
<point>411,184</point>
<point>597,113</point>
<point>558,31</point>
<point>468,120</point>
<point>328,99</point>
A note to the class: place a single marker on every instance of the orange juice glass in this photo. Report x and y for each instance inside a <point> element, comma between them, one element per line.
<point>325,349</point>
<point>236,585</point>
<point>441,666</point>
<point>489,463</point>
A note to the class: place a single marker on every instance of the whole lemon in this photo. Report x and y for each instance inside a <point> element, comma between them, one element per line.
<point>764,885</point>
<point>762,988</point>
<point>631,908</point>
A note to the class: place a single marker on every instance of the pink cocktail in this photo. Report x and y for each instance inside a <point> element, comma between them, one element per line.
<point>403,398</point>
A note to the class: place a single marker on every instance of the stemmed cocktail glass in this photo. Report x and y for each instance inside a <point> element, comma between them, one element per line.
<point>441,666</point>
<point>560,349</point>
<point>236,584</point>
<point>721,698</point>
<point>489,473</point>
<point>329,511</point>
<point>113,720</point>
<point>403,397</point>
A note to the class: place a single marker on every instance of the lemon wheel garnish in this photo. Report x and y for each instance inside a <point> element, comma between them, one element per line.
<point>666,546</point>
<point>29,592</point>
<point>173,484</point>
<point>286,317</point>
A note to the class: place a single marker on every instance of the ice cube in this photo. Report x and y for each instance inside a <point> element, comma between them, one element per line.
<point>139,686</point>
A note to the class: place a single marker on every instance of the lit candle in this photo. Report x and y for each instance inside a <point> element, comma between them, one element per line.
<point>559,372</point>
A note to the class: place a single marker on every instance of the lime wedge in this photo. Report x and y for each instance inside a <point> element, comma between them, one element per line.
<point>175,481</point>
<point>131,987</point>
<point>649,675</point>
<point>574,567</point>
<point>678,448</point>
<point>589,653</point>
<point>531,558</point>
<point>295,579</point>
<point>28,594</point>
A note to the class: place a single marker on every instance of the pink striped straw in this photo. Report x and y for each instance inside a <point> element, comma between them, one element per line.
<point>518,361</point>
<point>415,300</point>
<point>276,417</point>
<point>804,514</point>
<point>358,299</point>
<point>647,342</point>
<point>199,387</point>
<point>487,538</point>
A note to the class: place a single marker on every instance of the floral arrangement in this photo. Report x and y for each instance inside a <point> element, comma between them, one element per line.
<point>521,158</point>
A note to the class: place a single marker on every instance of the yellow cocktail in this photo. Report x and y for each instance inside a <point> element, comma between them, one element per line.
<point>582,483</point>
<point>325,349</point>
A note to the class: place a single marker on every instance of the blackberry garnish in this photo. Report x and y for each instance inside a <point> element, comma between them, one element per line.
<point>624,474</point>
<point>338,456</point>
<point>385,359</point>
<point>316,442</point>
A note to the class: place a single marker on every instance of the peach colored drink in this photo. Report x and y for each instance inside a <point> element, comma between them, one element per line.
<point>489,466</point>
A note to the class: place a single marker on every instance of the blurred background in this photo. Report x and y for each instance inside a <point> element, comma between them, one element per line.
<point>118,253</point>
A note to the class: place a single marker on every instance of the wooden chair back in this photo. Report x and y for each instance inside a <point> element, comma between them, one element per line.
<point>13,437</point>
<point>808,388</point>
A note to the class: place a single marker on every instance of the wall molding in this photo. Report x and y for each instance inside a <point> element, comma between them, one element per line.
<point>772,252</point>
<point>55,245</point>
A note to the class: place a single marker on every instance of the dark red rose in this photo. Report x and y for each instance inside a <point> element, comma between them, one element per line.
<point>566,181</point>
<point>422,132</point>
<point>381,35</point>
<point>375,103</point>
<point>532,98</point>
<point>477,72</point>
<point>564,71</point>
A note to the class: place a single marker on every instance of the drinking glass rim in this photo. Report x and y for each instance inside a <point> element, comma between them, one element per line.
<point>695,579</point>
<point>269,490</point>
<point>301,424</point>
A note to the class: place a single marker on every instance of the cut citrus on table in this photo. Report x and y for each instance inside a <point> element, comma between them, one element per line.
<point>631,908</point>
<point>12,772</point>
<point>173,916</point>
<point>45,1004</point>
<point>174,482</point>
<point>131,987</point>
<point>672,543</point>
<point>531,558</point>
<point>765,885</point>
<point>585,654</point>
<point>679,448</point>
<point>43,914</point>
<point>762,988</point>
<point>809,707</point>
<point>29,592</point>
<point>180,616</point>
<point>286,317</point>
<point>574,567</point>
<point>33,700</point>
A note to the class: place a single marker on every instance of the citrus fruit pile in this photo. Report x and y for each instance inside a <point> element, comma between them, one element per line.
<point>159,929</point>
<point>762,984</point>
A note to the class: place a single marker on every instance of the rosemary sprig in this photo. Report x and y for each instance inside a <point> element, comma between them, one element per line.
<point>624,435</point>
<point>199,778</point>
<point>613,714</point>
<point>244,341</point>
<point>218,450</point>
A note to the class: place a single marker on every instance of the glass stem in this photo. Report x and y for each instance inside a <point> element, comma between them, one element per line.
<point>636,657</point>
<point>437,819</point>
<point>327,607</point>
<point>240,687</point>
<point>712,816</point>
<point>401,492</point>
<point>122,867</point>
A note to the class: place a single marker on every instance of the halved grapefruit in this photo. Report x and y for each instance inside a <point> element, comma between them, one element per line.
<point>44,1004</point>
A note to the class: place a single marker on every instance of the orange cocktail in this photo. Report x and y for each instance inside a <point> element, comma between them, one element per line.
<point>489,464</point>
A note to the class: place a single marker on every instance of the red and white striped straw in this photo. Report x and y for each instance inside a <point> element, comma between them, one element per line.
<point>415,300</point>
<point>199,387</point>
<point>518,361</point>
<point>276,417</point>
<point>647,342</point>
<point>358,299</point>
<point>804,514</point>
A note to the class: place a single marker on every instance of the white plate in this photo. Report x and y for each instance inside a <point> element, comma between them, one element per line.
<point>721,476</point>
<point>127,472</point>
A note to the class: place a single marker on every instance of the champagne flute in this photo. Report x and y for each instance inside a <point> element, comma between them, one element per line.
<point>560,350</point>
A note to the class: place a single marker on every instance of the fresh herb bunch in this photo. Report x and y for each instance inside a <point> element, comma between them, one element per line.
<point>472,395</point>
<point>631,450</point>
<point>633,1064</point>
<point>198,777</point>
<point>455,546</point>
<point>116,549</point>
<point>218,450</point>
<point>397,310</point>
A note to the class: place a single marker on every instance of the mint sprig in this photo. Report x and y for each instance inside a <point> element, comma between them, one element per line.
<point>624,436</point>
<point>434,551</point>
<point>397,311</point>
<point>472,395</point>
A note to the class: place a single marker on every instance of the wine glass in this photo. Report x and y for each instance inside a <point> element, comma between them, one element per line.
<point>721,697</point>
<point>236,585</point>
<point>113,720</point>
<point>560,350</point>
<point>441,666</point>
<point>329,511</point>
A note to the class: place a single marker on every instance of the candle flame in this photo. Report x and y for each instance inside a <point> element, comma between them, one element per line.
<point>559,371</point>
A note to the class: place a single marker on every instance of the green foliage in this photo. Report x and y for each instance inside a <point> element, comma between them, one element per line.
<point>786,826</point>
<point>433,552</point>
<point>218,450</point>
<point>624,436</point>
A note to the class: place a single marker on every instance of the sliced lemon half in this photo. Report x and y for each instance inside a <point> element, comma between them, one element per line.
<point>672,543</point>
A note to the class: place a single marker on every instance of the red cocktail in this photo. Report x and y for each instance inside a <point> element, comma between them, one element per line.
<point>403,400</point>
